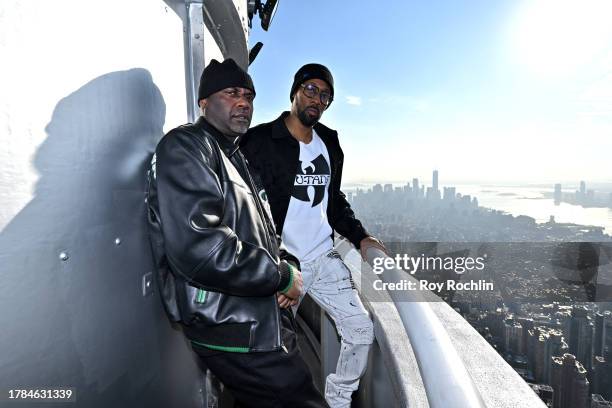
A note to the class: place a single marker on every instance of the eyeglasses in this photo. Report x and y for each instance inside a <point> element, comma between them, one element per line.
<point>311,91</point>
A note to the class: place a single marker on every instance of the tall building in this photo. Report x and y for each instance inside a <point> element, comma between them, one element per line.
<point>607,338</point>
<point>388,188</point>
<point>449,193</point>
<point>582,188</point>
<point>569,382</point>
<point>558,195</point>
<point>602,377</point>
<point>416,189</point>
<point>513,337</point>
<point>435,190</point>
<point>600,332</point>
<point>581,336</point>
<point>527,323</point>
<point>434,183</point>
<point>544,343</point>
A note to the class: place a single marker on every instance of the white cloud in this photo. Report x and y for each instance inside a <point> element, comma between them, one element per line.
<point>353,100</point>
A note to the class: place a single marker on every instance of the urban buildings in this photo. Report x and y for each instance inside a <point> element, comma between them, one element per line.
<point>547,326</point>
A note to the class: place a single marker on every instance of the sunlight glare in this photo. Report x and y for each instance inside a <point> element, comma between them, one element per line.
<point>557,37</point>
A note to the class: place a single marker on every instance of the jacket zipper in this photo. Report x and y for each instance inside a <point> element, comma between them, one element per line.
<point>263,216</point>
<point>260,209</point>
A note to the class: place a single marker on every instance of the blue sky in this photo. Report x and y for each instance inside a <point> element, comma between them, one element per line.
<point>482,90</point>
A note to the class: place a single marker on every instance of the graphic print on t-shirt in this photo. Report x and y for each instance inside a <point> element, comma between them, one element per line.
<point>306,230</point>
<point>311,174</point>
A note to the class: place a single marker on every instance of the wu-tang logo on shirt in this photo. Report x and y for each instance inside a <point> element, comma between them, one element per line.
<point>311,175</point>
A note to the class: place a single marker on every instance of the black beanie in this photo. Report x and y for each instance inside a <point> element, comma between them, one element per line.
<point>217,76</point>
<point>312,71</point>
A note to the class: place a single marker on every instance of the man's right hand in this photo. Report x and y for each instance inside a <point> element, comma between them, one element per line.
<point>295,291</point>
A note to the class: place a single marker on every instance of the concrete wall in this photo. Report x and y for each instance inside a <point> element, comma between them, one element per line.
<point>87,88</point>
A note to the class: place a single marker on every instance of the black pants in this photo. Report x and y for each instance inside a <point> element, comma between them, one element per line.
<point>273,379</point>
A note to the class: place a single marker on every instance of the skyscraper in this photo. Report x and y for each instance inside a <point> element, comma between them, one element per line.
<point>569,382</point>
<point>607,338</point>
<point>558,196</point>
<point>415,187</point>
<point>449,193</point>
<point>600,325</point>
<point>581,336</point>
<point>513,336</point>
<point>434,183</point>
<point>602,377</point>
<point>543,344</point>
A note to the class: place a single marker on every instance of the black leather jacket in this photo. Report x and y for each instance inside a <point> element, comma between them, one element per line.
<point>219,263</point>
<point>274,155</point>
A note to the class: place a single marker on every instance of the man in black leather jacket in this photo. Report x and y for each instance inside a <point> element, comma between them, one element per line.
<point>220,263</point>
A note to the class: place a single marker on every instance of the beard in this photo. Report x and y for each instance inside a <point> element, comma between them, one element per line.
<point>306,119</point>
<point>239,129</point>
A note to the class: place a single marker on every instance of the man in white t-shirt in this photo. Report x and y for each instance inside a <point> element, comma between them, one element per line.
<point>299,164</point>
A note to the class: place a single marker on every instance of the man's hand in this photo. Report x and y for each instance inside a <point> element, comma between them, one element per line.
<point>292,296</point>
<point>285,302</point>
<point>369,242</point>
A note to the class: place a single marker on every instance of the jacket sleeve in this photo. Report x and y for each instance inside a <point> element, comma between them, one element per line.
<point>199,247</point>
<point>344,221</point>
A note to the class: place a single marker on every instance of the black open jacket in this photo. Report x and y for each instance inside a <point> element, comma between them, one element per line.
<point>274,154</point>
<point>219,261</point>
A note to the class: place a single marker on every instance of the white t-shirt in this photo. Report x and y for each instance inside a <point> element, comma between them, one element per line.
<point>306,231</point>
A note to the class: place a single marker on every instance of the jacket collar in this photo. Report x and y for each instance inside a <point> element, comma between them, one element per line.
<point>228,146</point>
<point>279,129</point>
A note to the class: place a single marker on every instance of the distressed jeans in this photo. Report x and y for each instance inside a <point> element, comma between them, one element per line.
<point>328,281</point>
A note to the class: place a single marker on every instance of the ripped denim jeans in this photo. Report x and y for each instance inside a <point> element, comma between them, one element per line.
<point>328,281</point>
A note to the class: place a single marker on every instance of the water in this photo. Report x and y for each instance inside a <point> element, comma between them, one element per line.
<point>530,201</point>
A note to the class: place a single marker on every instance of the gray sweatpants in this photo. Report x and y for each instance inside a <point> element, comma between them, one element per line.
<point>328,281</point>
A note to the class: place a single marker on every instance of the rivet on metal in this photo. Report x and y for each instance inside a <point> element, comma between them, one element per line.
<point>197,36</point>
<point>117,241</point>
<point>63,256</point>
<point>147,284</point>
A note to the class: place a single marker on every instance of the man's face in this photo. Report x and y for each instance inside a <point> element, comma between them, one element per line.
<point>230,110</point>
<point>310,109</point>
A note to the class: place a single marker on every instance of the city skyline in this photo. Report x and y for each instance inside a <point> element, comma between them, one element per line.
<point>548,312</point>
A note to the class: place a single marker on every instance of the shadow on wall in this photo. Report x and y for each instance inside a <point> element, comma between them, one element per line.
<point>81,320</point>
